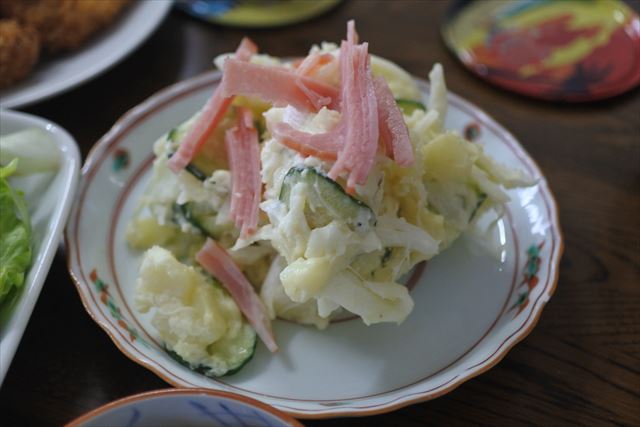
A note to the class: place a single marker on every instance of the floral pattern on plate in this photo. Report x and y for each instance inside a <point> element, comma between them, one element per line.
<point>462,324</point>
<point>192,407</point>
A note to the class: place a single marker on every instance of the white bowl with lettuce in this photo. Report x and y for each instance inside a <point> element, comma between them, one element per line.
<point>38,175</point>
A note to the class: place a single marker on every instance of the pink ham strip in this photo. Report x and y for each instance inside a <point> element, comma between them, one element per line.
<point>325,145</point>
<point>236,195</point>
<point>360,111</point>
<point>311,63</point>
<point>369,111</point>
<point>321,145</point>
<point>277,85</point>
<point>316,100</point>
<point>209,118</point>
<point>354,141</point>
<point>355,138</point>
<point>217,262</point>
<point>393,129</point>
<point>352,34</point>
<point>243,150</point>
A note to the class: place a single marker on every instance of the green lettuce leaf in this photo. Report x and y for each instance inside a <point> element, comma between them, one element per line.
<point>15,234</point>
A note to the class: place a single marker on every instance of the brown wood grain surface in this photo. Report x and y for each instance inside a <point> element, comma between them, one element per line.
<point>579,366</point>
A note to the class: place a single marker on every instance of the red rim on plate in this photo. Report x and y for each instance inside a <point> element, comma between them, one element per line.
<point>175,391</point>
<point>120,332</point>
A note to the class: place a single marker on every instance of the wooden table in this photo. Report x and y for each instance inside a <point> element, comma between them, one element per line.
<point>580,365</point>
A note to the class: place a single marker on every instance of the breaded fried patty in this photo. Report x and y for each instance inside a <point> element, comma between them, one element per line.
<point>63,24</point>
<point>19,50</point>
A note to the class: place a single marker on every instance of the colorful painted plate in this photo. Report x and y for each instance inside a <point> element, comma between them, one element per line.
<point>568,50</point>
<point>471,307</point>
<point>255,13</point>
<point>193,408</point>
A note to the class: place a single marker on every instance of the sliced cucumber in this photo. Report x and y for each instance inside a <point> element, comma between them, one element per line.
<point>226,356</point>
<point>408,106</point>
<point>326,200</point>
<point>481,198</point>
<point>260,128</point>
<point>194,170</point>
<point>173,135</point>
<point>237,351</point>
<point>199,215</point>
<point>381,265</point>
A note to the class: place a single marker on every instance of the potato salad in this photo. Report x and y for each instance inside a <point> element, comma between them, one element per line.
<point>302,190</point>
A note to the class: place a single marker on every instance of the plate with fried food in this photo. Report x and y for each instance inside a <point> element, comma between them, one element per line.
<point>50,46</point>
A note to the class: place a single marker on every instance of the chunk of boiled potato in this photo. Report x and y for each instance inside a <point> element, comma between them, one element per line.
<point>448,157</point>
<point>190,313</point>
<point>304,278</point>
<point>142,233</point>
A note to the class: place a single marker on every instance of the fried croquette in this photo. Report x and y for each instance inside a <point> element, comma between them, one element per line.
<point>19,50</point>
<point>63,25</point>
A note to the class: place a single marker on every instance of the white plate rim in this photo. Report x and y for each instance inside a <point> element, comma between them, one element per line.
<point>154,10</point>
<point>196,83</point>
<point>38,273</point>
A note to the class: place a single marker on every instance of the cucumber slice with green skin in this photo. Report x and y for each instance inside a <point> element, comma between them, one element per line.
<point>260,129</point>
<point>408,106</point>
<point>193,170</point>
<point>327,201</point>
<point>196,172</point>
<point>481,198</point>
<point>200,216</point>
<point>173,135</point>
<point>227,355</point>
<point>380,265</point>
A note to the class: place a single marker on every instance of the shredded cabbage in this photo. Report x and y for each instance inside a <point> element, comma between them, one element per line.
<point>310,270</point>
<point>35,149</point>
<point>420,210</point>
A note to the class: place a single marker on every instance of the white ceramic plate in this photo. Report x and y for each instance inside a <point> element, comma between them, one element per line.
<point>181,407</point>
<point>53,76</point>
<point>470,308</point>
<point>49,197</point>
